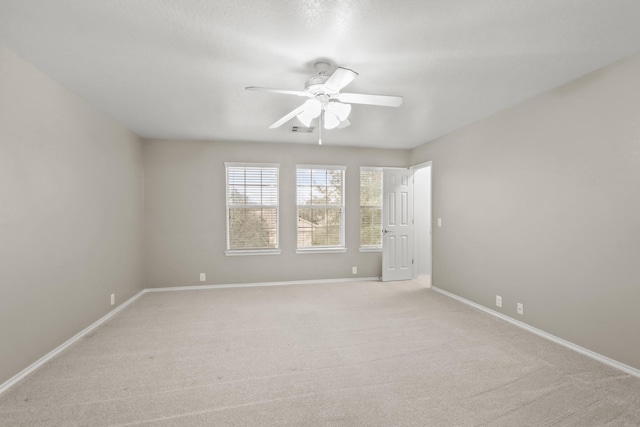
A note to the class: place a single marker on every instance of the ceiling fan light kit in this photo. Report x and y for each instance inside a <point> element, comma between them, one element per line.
<point>326,102</point>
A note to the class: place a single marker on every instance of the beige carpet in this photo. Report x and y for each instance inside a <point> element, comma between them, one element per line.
<point>351,354</point>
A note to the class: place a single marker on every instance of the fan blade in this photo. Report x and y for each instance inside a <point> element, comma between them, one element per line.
<point>343,124</point>
<point>381,100</point>
<point>288,117</point>
<point>339,109</point>
<point>283,91</point>
<point>339,79</point>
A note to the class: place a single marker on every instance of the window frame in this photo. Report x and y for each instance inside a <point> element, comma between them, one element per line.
<point>256,251</point>
<point>341,248</point>
<point>369,248</point>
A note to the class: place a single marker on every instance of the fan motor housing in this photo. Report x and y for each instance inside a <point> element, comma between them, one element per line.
<point>315,85</point>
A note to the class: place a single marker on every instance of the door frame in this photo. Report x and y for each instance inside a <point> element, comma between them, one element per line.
<point>416,217</point>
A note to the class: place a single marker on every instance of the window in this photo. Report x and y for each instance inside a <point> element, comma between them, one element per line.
<point>320,195</point>
<point>252,208</point>
<point>370,209</point>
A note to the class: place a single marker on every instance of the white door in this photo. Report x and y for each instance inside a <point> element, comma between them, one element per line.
<point>397,224</point>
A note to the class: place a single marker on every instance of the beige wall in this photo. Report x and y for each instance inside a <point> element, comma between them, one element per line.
<point>70,214</point>
<point>185,213</point>
<point>541,204</point>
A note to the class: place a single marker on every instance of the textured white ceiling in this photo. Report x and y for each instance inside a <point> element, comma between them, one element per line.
<point>178,68</point>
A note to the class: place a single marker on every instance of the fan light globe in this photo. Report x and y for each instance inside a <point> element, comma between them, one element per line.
<point>331,121</point>
<point>339,109</point>
<point>305,118</point>
<point>312,109</point>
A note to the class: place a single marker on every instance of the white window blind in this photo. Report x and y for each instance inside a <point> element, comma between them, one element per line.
<point>370,208</point>
<point>320,199</point>
<point>252,207</point>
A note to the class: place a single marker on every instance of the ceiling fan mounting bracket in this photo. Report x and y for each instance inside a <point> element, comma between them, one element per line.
<point>322,67</point>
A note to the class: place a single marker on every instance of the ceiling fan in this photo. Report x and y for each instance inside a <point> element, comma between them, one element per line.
<point>326,102</point>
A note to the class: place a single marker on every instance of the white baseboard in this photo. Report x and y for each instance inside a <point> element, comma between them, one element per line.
<point>44,359</point>
<point>592,354</point>
<point>20,375</point>
<point>254,285</point>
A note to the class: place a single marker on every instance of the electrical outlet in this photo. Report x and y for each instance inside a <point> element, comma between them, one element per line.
<point>354,270</point>
<point>203,277</point>
<point>439,222</point>
<point>113,299</point>
<point>498,300</point>
<point>520,308</point>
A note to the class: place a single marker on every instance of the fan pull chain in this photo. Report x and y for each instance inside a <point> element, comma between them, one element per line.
<point>321,119</point>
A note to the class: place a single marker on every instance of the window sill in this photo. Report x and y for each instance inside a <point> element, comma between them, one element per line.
<point>321,250</point>
<point>370,249</point>
<point>253,252</point>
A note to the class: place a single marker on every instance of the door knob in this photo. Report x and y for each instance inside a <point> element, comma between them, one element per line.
<point>385,231</point>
